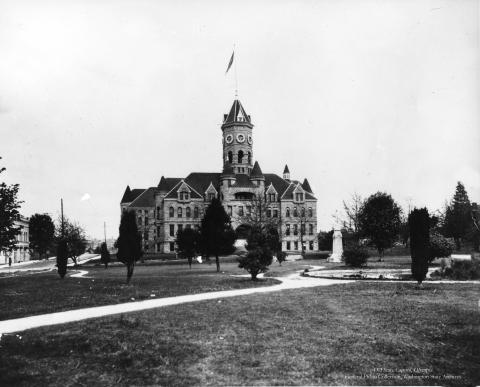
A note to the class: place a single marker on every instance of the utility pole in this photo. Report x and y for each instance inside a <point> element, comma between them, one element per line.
<point>61,206</point>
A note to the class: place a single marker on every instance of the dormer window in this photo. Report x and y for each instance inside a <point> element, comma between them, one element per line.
<point>299,197</point>
<point>271,197</point>
<point>211,196</point>
<point>183,195</point>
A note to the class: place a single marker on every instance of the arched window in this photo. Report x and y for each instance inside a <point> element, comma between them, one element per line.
<point>158,212</point>
<point>240,156</point>
<point>188,212</point>
<point>249,158</point>
<point>179,212</point>
<point>195,212</point>
<point>230,157</point>
<point>171,212</point>
<point>310,212</point>
<point>303,212</point>
<point>295,212</point>
<point>287,213</point>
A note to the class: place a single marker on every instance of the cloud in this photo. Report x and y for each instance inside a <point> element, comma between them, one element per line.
<point>85,197</point>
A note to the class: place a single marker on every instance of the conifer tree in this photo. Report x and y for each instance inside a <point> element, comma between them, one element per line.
<point>419,226</point>
<point>9,205</point>
<point>216,233</point>
<point>62,257</point>
<point>129,242</point>
<point>458,218</point>
<point>104,254</point>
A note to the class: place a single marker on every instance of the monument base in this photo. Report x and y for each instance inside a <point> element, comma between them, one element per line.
<point>334,258</point>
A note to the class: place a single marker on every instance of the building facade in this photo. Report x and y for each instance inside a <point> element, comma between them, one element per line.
<point>21,252</point>
<point>247,194</point>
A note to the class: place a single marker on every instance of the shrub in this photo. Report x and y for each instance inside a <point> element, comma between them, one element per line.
<point>355,256</point>
<point>464,270</point>
<point>281,257</point>
<point>440,247</point>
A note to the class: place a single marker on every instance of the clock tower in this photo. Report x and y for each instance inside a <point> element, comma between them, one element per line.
<point>237,140</point>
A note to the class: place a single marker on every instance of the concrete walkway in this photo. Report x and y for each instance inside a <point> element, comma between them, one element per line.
<point>294,281</point>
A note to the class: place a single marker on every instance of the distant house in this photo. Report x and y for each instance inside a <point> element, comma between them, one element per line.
<point>21,252</point>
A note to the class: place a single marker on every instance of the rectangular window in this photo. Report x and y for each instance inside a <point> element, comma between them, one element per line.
<point>180,228</point>
<point>195,212</point>
<point>295,230</point>
<point>310,212</point>
<point>295,245</point>
<point>310,245</point>
<point>158,247</point>
<point>172,246</point>
<point>287,229</point>
<point>249,210</point>
<point>275,213</point>
<point>288,245</point>
<point>269,213</point>
<point>229,210</point>
<point>211,196</point>
<point>172,230</point>
<point>240,210</point>
<point>310,229</point>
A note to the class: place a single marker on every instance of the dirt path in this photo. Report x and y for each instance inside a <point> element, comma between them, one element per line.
<point>294,281</point>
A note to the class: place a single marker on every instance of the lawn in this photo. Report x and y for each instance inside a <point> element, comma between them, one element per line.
<point>46,292</point>
<point>358,334</point>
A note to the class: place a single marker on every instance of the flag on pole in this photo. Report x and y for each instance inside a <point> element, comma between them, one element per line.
<point>230,63</point>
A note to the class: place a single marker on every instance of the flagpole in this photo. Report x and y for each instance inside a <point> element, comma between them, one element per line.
<point>236,77</point>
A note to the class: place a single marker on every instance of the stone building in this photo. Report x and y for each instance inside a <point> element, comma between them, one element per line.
<point>21,251</point>
<point>244,190</point>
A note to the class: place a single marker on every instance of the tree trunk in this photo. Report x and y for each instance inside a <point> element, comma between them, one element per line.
<point>254,275</point>
<point>130,268</point>
<point>190,262</point>
<point>217,261</point>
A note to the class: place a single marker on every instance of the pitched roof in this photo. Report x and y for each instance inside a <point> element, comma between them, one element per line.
<point>237,114</point>
<point>200,181</point>
<point>243,181</point>
<point>145,199</point>
<point>167,183</point>
<point>285,170</point>
<point>173,192</point>
<point>131,195</point>
<point>279,184</point>
<point>256,171</point>
<point>306,185</point>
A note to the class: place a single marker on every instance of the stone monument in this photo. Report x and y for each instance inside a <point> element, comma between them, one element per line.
<point>337,247</point>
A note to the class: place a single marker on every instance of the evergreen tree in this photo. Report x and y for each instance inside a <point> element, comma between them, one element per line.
<point>104,254</point>
<point>129,242</point>
<point>9,205</point>
<point>260,253</point>
<point>458,216</point>
<point>62,257</point>
<point>42,233</point>
<point>379,220</point>
<point>187,244</point>
<point>419,226</point>
<point>216,233</point>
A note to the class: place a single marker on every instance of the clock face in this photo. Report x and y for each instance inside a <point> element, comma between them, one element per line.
<point>228,138</point>
<point>240,137</point>
<point>250,139</point>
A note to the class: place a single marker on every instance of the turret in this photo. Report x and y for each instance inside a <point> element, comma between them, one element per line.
<point>237,140</point>
<point>257,176</point>
<point>286,173</point>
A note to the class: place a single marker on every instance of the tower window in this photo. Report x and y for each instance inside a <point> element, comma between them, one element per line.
<point>249,158</point>
<point>230,157</point>
<point>240,156</point>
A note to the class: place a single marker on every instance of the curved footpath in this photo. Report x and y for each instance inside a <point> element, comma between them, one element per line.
<point>294,281</point>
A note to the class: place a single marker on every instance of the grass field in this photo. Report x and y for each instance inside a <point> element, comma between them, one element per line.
<point>47,293</point>
<point>341,334</point>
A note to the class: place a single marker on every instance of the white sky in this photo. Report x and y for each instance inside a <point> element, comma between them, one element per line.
<point>354,95</point>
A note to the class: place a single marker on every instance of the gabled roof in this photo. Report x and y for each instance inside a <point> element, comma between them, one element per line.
<point>201,180</point>
<point>280,184</point>
<point>306,186</point>
<point>130,195</point>
<point>167,183</point>
<point>173,194</point>
<point>237,114</point>
<point>145,199</point>
<point>256,171</point>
